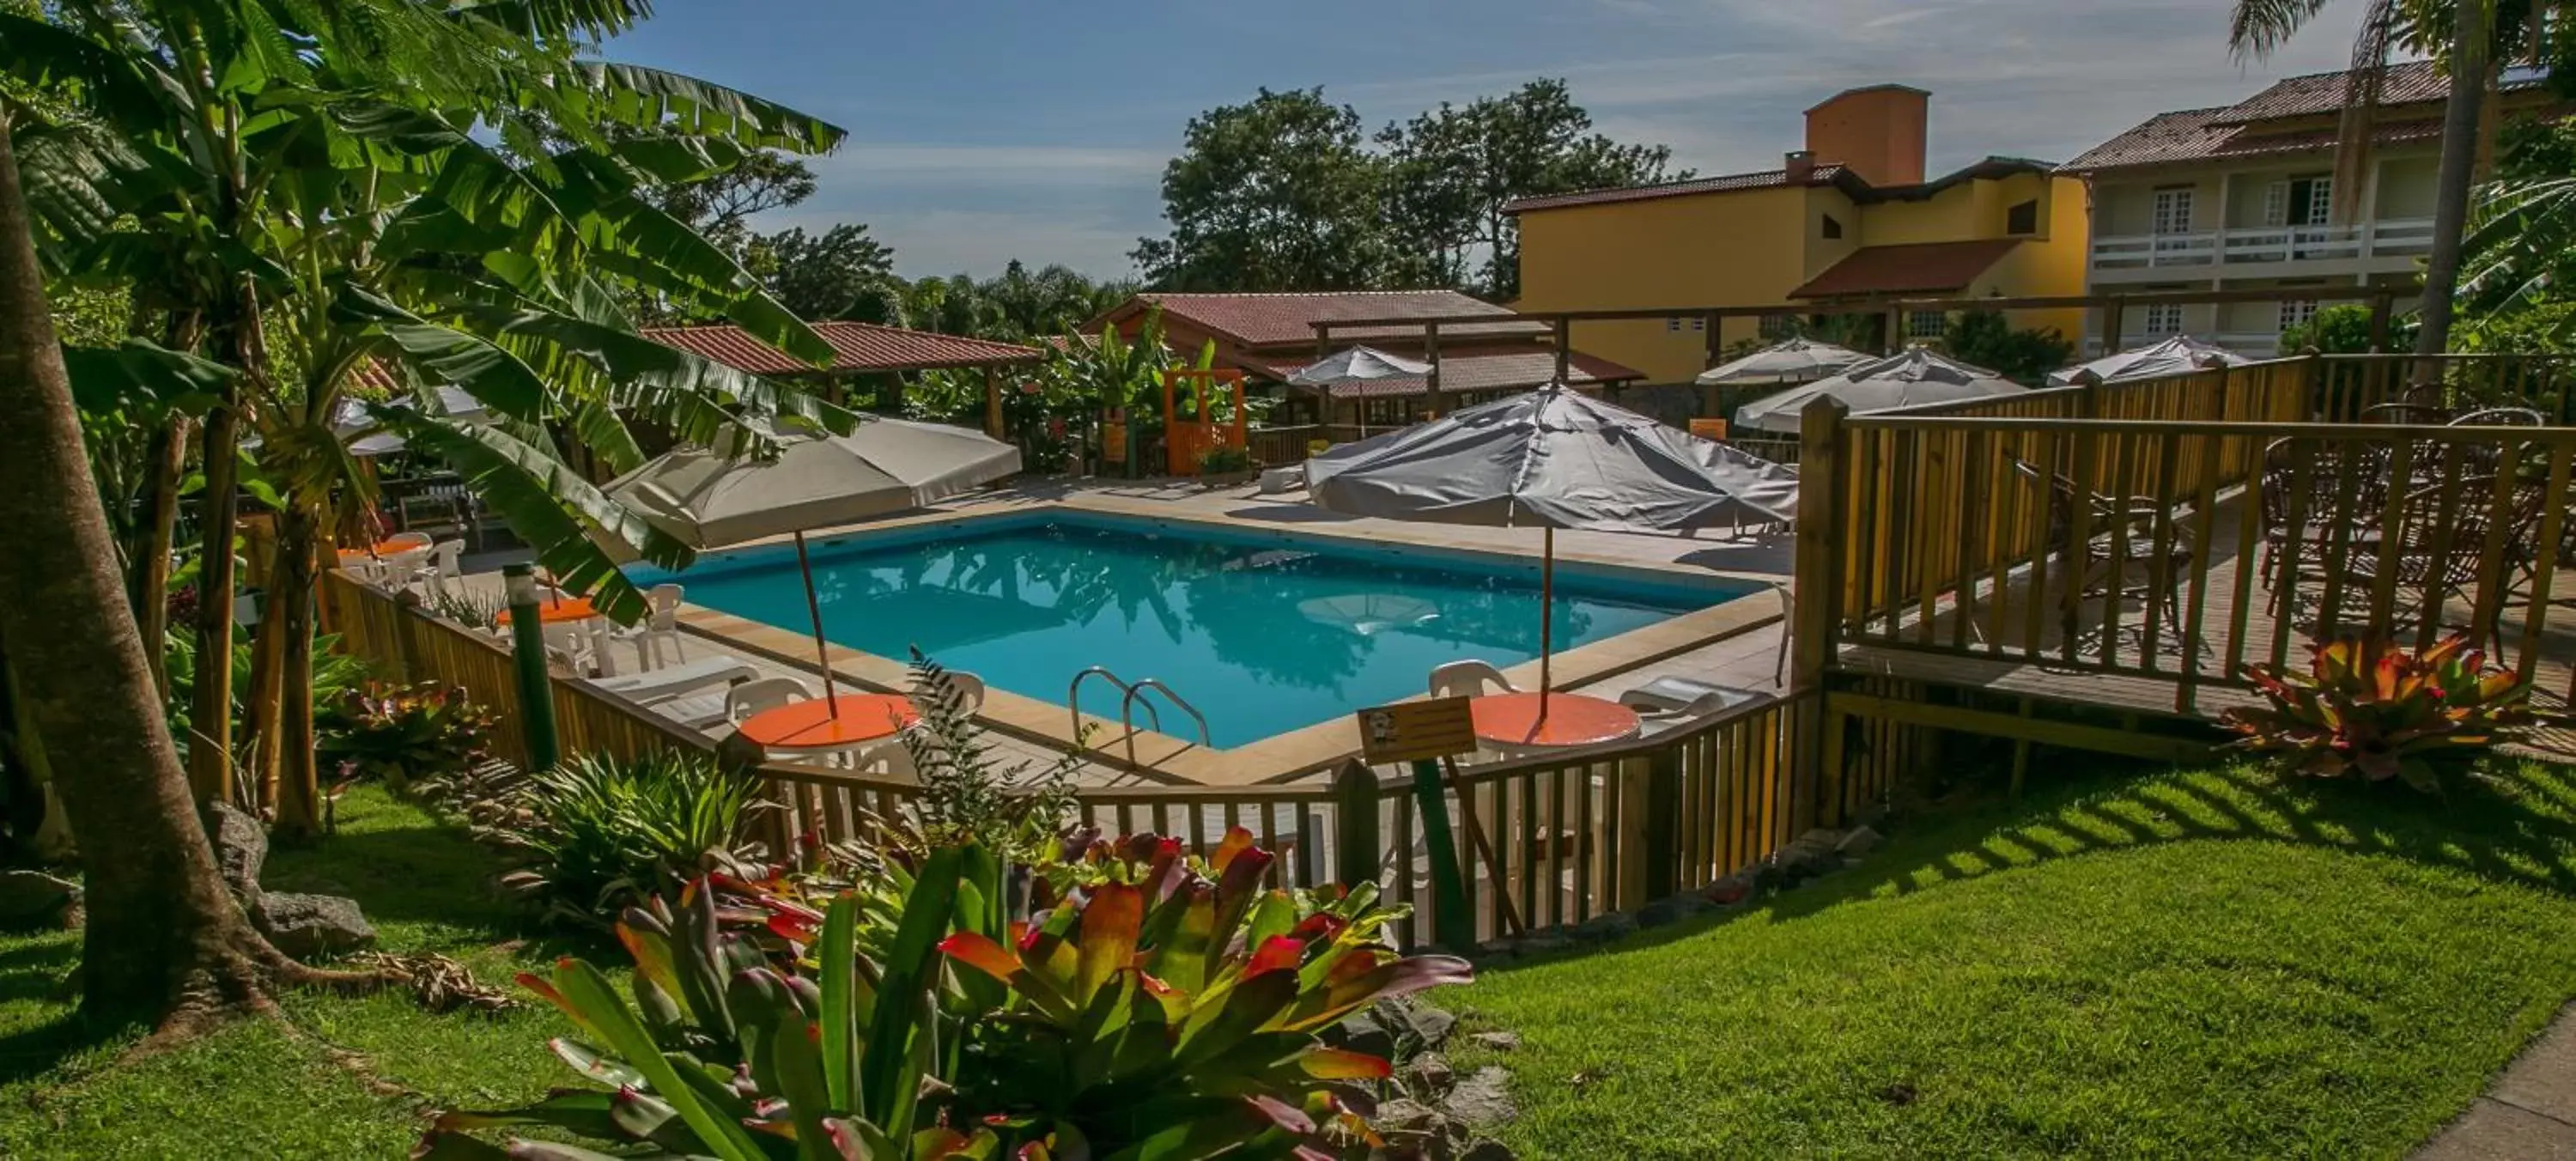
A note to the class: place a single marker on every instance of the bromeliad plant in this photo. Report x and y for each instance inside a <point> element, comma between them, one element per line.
<point>1152,1012</point>
<point>599,833</point>
<point>2382,711</point>
<point>401,733</point>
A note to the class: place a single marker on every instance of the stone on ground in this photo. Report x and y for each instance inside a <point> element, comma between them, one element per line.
<point>312,926</point>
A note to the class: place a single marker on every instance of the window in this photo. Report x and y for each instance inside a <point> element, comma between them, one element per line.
<point>1387,410</point>
<point>1779,326</point>
<point>2299,201</point>
<point>1677,323</point>
<point>2296,313</point>
<point>2164,318</point>
<point>1672,324</point>
<point>1833,226</point>
<point>2172,214</point>
<point>1925,324</point>
<point>2022,218</point>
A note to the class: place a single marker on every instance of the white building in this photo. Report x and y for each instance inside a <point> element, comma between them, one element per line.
<point>2241,197</point>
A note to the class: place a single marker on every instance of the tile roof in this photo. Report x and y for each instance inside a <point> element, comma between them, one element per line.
<point>1824,174</point>
<point>1908,269</point>
<point>1266,319</point>
<point>858,346</point>
<point>2197,135</point>
<point>2315,93</point>
<point>1477,370</point>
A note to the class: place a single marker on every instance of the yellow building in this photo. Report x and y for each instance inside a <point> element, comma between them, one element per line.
<point>1848,218</point>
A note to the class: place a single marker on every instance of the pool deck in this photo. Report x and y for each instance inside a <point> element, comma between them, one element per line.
<point>1734,643</point>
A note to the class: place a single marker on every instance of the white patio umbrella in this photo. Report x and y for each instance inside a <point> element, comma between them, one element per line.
<point>1553,458</point>
<point>1358,364</point>
<point>709,500</point>
<point>2180,354</point>
<point>1794,361</point>
<point>1909,379</point>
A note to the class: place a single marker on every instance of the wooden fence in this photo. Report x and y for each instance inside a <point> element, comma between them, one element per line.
<point>2181,532</point>
<point>2349,385</point>
<point>1540,842</point>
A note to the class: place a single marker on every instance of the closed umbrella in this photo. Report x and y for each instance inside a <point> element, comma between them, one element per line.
<point>1916,377</point>
<point>1794,361</point>
<point>708,500</point>
<point>2178,355</point>
<point>1553,458</point>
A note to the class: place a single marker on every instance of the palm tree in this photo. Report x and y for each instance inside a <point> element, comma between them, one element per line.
<point>2257,27</point>
<point>352,231</point>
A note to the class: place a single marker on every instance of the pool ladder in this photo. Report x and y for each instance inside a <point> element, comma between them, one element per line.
<point>1130,692</point>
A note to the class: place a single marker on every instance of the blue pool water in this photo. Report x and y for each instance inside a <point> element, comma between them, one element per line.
<point>1264,633</point>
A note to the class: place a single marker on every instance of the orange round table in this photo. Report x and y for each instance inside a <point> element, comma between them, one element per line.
<point>381,549</point>
<point>810,724</point>
<point>558,612</point>
<point>1510,721</point>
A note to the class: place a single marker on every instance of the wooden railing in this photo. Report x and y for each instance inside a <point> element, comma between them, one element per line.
<point>1276,446</point>
<point>1540,842</point>
<point>2184,547</point>
<point>2349,385</point>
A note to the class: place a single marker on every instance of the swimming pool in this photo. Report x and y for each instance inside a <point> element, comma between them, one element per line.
<point>1263,632</point>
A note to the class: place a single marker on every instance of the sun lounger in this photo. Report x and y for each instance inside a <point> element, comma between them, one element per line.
<point>1668,703</point>
<point>673,681</point>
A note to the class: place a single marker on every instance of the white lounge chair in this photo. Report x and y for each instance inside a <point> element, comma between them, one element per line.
<point>1669,703</point>
<point>662,624</point>
<point>672,681</point>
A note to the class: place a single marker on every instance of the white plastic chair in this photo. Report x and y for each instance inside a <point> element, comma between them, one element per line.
<point>970,693</point>
<point>768,693</point>
<point>445,564</point>
<point>662,624</point>
<point>1469,678</point>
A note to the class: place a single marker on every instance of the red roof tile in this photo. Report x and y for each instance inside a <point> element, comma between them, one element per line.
<point>859,347</point>
<point>1266,319</point>
<point>1478,370</point>
<point>2231,132</point>
<point>1917,268</point>
<point>2315,93</point>
<point>1824,174</point>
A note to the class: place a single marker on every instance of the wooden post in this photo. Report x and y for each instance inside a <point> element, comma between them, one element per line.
<point>1817,609</point>
<point>1564,351</point>
<point>1431,386</point>
<point>2088,395</point>
<point>1894,340</point>
<point>1663,824</point>
<point>407,618</point>
<point>2111,324</point>
<point>992,403</point>
<point>2382,305</point>
<point>1355,825</point>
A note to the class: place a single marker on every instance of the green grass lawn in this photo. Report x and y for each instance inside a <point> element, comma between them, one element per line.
<point>343,1077</point>
<point>2195,965</point>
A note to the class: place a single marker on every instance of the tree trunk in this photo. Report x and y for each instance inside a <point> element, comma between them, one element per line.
<point>164,941</point>
<point>149,586</point>
<point>2455,186</point>
<point>210,752</point>
<point>298,794</point>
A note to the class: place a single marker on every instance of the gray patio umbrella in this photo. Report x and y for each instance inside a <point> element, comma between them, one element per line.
<point>709,500</point>
<point>1357,364</point>
<point>1553,458</point>
<point>1795,361</point>
<point>2178,355</point>
<point>1915,377</point>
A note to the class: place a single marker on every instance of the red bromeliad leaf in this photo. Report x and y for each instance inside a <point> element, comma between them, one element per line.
<point>1110,922</point>
<point>976,951</point>
<point>1343,1064</point>
<point>1237,840</point>
<point>1322,924</point>
<point>1282,1114</point>
<point>793,928</point>
<point>1278,953</point>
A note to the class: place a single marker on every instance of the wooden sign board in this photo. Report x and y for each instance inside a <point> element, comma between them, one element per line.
<point>1708,428</point>
<point>1413,730</point>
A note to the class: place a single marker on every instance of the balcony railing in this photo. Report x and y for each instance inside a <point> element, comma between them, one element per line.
<point>2390,238</point>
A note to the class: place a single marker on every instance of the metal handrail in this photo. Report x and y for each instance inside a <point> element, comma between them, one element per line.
<point>1136,690</point>
<point>1073,702</point>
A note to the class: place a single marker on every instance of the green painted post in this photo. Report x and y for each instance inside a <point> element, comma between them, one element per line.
<point>1452,925</point>
<point>1355,826</point>
<point>528,648</point>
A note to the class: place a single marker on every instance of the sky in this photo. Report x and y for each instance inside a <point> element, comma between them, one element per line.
<point>982,131</point>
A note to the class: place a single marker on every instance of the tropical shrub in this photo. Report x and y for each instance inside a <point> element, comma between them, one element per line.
<point>599,833</point>
<point>1224,458</point>
<point>335,675</point>
<point>480,611</point>
<point>1151,1012</point>
<point>2382,711</point>
<point>1983,338</point>
<point>401,732</point>
<point>1017,809</point>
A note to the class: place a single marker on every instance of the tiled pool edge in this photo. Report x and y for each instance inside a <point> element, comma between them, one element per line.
<point>1280,757</point>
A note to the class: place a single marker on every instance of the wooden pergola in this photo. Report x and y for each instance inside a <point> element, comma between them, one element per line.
<point>861,349</point>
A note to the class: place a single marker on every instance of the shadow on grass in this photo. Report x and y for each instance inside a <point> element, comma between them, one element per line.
<point>2518,827</point>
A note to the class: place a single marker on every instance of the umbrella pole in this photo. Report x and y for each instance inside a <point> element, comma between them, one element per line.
<point>814,609</point>
<point>1546,618</point>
